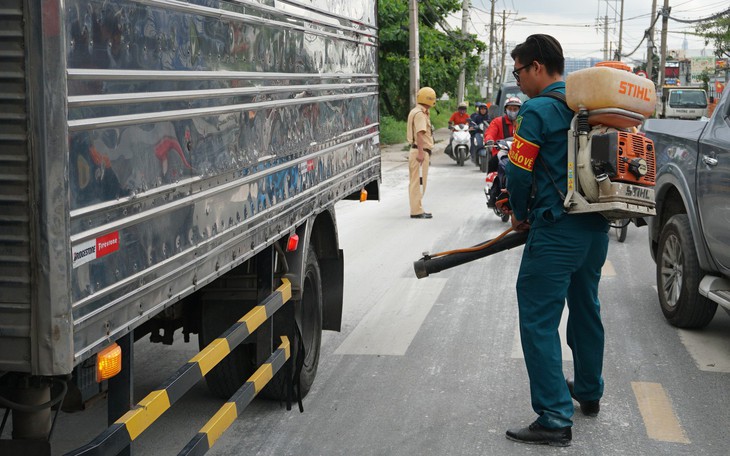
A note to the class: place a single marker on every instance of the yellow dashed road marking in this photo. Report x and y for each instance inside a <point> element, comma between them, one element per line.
<point>608,269</point>
<point>659,419</point>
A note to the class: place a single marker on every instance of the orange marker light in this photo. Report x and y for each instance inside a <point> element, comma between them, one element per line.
<point>108,362</point>
<point>363,195</point>
<point>292,243</point>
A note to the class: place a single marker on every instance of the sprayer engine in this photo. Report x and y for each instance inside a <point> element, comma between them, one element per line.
<point>611,168</point>
<point>622,156</point>
<point>614,171</point>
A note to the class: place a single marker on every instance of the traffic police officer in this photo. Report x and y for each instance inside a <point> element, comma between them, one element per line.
<point>420,135</point>
<point>562,258</point>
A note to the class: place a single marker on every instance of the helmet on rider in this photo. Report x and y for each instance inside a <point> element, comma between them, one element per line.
<point>426,96</point>
<point>462,106</point>
<point>480,106</point>
<point>512,107</point>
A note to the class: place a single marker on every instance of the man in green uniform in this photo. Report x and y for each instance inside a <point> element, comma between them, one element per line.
<point>562,258</point>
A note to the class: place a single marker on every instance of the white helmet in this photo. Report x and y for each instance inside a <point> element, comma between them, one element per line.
<point>512,101</point>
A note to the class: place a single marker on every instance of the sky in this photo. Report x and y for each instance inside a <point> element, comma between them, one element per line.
<point>577,26</point>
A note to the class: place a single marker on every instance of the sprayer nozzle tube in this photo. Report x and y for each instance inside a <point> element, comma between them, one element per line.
<point>427,266</point>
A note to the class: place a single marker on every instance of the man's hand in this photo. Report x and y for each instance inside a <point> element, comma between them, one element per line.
<point>421,156</point>
<point>519,225</point>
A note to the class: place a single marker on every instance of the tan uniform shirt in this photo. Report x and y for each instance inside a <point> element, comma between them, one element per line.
<point>419,120</point>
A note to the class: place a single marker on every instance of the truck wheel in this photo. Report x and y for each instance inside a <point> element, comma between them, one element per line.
<point>225,378</point>
<point>308,313</point>
<point>678,277</point>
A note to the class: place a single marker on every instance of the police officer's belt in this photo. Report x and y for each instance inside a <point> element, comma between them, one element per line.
<point>415,146</point>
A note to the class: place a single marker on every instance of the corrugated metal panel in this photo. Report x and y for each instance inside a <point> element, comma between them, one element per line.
<point>15,272</point>
<point>199,133</point>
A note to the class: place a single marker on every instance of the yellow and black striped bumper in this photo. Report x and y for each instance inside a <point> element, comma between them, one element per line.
<point>127,428</point>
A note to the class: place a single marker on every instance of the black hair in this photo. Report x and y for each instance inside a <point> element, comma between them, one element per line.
<point>543,48</point>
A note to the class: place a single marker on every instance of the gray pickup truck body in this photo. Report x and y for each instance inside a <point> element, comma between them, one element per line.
<point>693,181</point>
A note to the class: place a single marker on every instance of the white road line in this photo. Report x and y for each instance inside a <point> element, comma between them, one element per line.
<point>708,347</point>
<point>566,352</point>
<point>660,421</point>
<point>392,323</point>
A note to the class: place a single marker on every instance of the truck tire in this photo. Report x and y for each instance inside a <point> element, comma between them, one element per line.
<point>678,276</point>
<point>308,313</point>
<point>233,370</point>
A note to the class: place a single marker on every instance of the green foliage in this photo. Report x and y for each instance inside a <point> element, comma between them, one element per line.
<point>392,131</point>
<point>705,78</point>
<point>440,52</point>
<point>718,33</point>
<point>441,113</point>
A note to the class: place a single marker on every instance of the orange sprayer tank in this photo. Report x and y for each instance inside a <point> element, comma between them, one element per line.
<point>606,87</point>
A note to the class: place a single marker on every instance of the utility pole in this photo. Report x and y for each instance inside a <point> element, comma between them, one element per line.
<point>620,34</point>
<point>502,69</point>
<point>462,75</point>
<point>650,44</point>
<point>605,37</point>
<point>491,55</point>
<point>415,72</point>
<point>663,55</point>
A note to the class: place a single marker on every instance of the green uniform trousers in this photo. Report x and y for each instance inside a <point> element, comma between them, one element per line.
<point>561,262</point>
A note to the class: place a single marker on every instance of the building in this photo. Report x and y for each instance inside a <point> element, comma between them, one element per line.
<point>575,64</point>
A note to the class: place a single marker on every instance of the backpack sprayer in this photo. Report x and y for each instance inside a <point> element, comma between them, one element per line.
<point>611,167</point>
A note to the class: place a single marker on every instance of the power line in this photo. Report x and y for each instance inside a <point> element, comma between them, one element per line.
<point>704,19</point>
<point>646,35</point>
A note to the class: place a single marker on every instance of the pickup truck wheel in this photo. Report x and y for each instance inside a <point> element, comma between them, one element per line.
<point>308,314</point>
<point>678,276</point>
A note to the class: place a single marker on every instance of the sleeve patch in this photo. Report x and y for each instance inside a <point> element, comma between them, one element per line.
<point>523,153</point>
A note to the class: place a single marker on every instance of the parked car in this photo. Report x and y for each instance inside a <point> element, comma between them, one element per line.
<point>689,236</point>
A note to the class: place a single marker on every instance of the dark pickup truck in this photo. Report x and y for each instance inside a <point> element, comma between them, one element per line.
<point>690,234</point>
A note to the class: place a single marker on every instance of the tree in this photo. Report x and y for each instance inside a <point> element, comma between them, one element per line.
<point>717,31</point>
<point>440,51</point>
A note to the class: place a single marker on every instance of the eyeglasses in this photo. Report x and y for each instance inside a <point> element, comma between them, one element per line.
<point>516,72</point>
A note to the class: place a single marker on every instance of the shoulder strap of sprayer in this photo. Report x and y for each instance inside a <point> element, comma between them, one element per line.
<point>561,98</point>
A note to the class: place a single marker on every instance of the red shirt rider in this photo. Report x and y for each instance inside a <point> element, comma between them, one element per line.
<point>460,117</point>
<point>503,126</point>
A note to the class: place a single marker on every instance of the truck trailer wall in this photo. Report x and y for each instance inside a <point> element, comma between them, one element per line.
<point>169,142</point>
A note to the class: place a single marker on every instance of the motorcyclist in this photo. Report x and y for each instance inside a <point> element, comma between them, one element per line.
<point>459,117</point>
<point>500,128</point>
<point>478,118</point>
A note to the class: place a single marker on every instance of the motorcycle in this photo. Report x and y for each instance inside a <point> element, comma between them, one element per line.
<point>496,181</point>
<point>460,139</point>
<point>620,227</point>
<point>478,149</point>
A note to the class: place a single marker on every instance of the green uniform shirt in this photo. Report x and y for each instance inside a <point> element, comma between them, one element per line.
<point>540,147</point>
